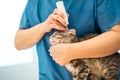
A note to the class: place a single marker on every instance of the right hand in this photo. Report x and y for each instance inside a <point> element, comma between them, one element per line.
<point>56,20</point>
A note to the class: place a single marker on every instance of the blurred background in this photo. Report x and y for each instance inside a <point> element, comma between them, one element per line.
<point>14,65</point>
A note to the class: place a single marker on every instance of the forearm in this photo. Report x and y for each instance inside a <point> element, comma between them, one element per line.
<point>26,38</point>
<point>29,37</point>
<point>100,46</point>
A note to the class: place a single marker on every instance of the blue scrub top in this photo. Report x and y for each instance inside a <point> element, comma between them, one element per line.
<point>86,16</point>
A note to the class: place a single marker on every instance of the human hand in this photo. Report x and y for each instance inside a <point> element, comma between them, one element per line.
<point>55,21</point>
<point>61,53</point>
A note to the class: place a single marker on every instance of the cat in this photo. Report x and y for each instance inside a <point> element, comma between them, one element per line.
<point>96,68</point>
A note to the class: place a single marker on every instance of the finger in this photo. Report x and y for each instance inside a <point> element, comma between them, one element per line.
<point>60,19</point>
<point>59,12</point>
<point>58,26</point>
<point>67,15</point>
<point>54,17</point>
<point>58,62</point>
<point>61,64</point>
<point>51,50</point>
<point>53,23</point>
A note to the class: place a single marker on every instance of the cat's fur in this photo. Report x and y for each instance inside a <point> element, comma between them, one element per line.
<point>96,68</point>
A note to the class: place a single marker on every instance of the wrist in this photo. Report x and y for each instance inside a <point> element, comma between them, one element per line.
<point>45,27</point>
<point>70,52</point>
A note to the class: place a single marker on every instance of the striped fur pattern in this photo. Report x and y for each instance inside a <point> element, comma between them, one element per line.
<point>96,68</point>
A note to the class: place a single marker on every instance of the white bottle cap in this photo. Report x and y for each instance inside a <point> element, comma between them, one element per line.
<point>60,5</point>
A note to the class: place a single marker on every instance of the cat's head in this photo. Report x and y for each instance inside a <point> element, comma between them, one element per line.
<point>63,37</point>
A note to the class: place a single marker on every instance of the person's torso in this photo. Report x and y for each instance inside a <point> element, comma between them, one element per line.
<point>81,18</point>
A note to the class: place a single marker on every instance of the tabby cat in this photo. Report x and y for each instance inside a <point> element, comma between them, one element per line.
<point>96,68</point>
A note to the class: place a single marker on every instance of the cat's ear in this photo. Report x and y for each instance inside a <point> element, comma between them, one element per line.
<point>72,31</point>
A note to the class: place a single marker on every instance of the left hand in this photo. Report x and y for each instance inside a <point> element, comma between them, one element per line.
<point>60,53</point>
